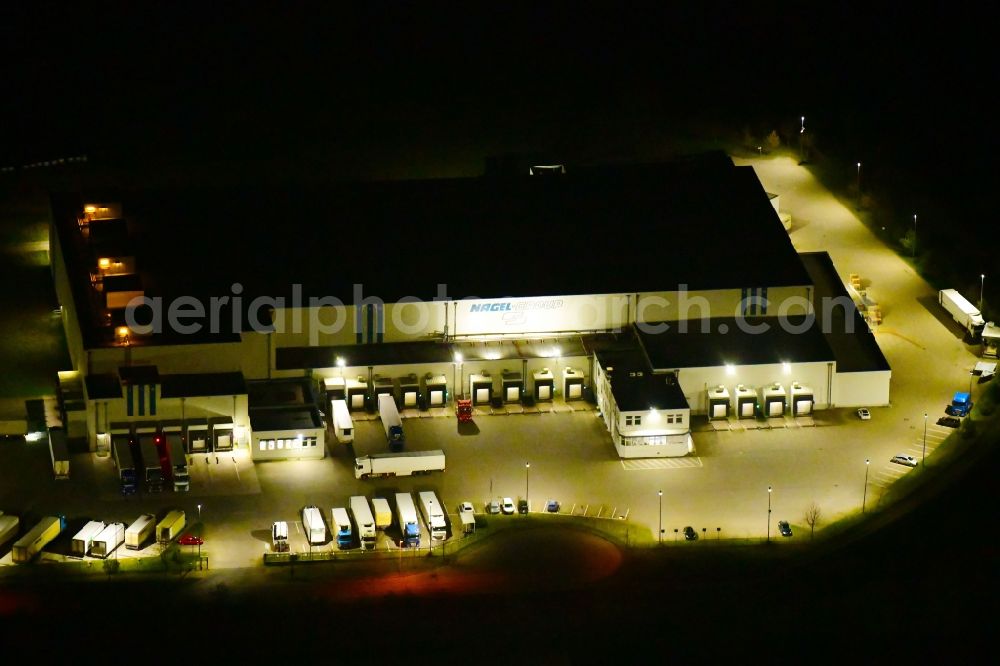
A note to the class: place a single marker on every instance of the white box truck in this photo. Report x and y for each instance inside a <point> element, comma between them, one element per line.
<point>279,536</point>
<point>47,529</point>
<point>59,453</point>
<point>312,523</point>
<point>171,525</point>
<point>399,464</point>
<point>391,422</point>
<point>364,521</point>
<point>151,470</point>
<point>341,526</point>
<point>140,531</point>
<point>9,526</point>
<point>433,514</point>
<point>962,311</point>
<point>85,537</point>
<point>409,526</point>
<point>343,424</point>
<point>178,463</point>
<point>111,537</point>
<point>383,514</point>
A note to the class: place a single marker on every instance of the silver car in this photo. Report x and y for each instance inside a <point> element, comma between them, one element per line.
<point>903,459</point>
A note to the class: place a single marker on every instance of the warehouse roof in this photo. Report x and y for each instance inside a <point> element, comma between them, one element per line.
<point>852,341</point>
<point>285,418</point>
<point>103,386</point>
<point>728,340</point>
<point>592,230</point>
<point>206,384</point>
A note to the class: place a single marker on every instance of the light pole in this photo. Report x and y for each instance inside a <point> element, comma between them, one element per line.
<point>857,204</point>
<point>659,524</point>
<point>913,245</point>
<point>527,466</point>
<point>982,281</point>
<point>972,373</point>
<point>864,495</point>
<point>802,130</point>
<point>340,364</point>
<point>769,514</point>
<point>923,456</point>
<point>199,513</point>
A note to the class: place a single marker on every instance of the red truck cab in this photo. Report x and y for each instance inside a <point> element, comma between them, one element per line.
<point>463,410</point>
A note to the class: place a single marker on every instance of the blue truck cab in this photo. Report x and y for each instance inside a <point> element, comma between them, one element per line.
<point>960,405</point>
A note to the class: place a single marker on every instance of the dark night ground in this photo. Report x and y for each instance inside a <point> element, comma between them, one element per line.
<point>420,97</point>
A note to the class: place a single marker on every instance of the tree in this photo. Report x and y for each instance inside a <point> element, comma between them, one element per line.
<point>773,141</point>
<point>812,517</point>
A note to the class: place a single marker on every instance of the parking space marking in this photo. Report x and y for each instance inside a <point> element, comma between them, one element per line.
<point>632,464</point>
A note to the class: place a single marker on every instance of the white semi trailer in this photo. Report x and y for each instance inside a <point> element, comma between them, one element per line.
<point>409,526</point>
<point>962,311</point>
<point>83,539</point>
<point>363,520</point>
<point>433,514</point>
<point>111,537</point>
<point>312,523</point>
<point>9,525</point>
<point>140,531</point>
<point>399,464</point>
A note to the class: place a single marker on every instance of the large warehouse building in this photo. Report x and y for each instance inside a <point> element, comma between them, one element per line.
<point>658,292</point>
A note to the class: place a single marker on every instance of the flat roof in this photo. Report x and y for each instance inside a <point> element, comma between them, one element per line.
<point>269,419</point>
<point>205,384</point>
<point>635,387</point>
<point>622,216</point>
<point>725,340</point>
<point>290,392</point>
<point>854,346</point>
<point>103,386</point>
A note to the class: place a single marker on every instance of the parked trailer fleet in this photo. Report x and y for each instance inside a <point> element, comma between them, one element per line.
<point>399,464</point>
<point>140,531</point>
<point>962,311</point>
<point>125,465</point>
<point>152,473</point>
<point>409,527</point>
<point>363,521</point>
<point>111,537</point>
<point>47,529</point>
<point>433,514</point>
<point>83,539</point>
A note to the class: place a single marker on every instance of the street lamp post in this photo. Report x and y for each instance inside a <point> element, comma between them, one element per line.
<point>659,524</point>
<point>982,281</point>
<point>527,496</point>
<point>913,245</point>
<point>340,364</point>
<point>857,204</point>
<point>864,495</point>
<point>769,514</point>
<point>199,513</point>
<point>923,456</point>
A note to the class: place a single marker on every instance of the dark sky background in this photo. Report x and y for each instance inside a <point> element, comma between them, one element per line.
<point>396,91</point>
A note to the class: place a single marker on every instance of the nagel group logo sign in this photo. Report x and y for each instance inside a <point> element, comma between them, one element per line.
<point>516,312</point>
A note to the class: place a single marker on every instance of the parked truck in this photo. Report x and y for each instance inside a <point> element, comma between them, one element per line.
<point>171,525</point>
<point>962,311</point>
<point>960,405</point>
<point>125,465</point>
<point>341,525</point>
<point>47,529</point>
<point>364,522</point>
<point>990,338</point>
<point>399,464</point>
<point>111,537</point>
<point>409,527</point>
<point>312,523</point>
<point>391,422</point>
<point>140,531</point>
<point>178,463</point>
<point>9,526</point>
<point>152,474</point>
<point>343,424</point>
<point>59,453</point>
<point>279,536</point>
<point>83,539</point>
<point>433,514</point>
<point>383,514</point>
<point>463,409</point>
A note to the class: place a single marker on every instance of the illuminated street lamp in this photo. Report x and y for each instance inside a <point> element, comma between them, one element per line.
<point>864,495</point>
<point>982,281</point>
<point>340,364</point>
<point>769,514</point>
<point>527,466</point>
<point>913,246</point>
<point>659,531</point>
<point>199,513</point>
<point>857,205</point>
<point>802,130</point>
<point>923,456</point>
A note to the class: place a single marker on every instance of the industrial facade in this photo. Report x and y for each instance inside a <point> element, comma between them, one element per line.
<point>675,291</point>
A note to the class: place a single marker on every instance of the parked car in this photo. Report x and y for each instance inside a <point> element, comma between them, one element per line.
<point>493,507</point>
<point>903,459</point>
<point>949,421</point>
<point>507,506</point>
<point>864,414</point>
<point>552,506</point>
<point>522,506</point>
<point>465,507</point>
<point>190,540</point>
<point>784,528</point>
<point>690,534</point>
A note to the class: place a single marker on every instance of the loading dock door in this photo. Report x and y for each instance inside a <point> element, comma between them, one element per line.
<point>357,401</point>
<point>437,397</point>
<point>574,391</point>
<point>513,394</point>
<point>775,408</point>
<point>719,410</point>
<point>746,409</point>
<point>409,398</point>
<point>803,407</point>
<point>544,392</point>
<point>482,395</point>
